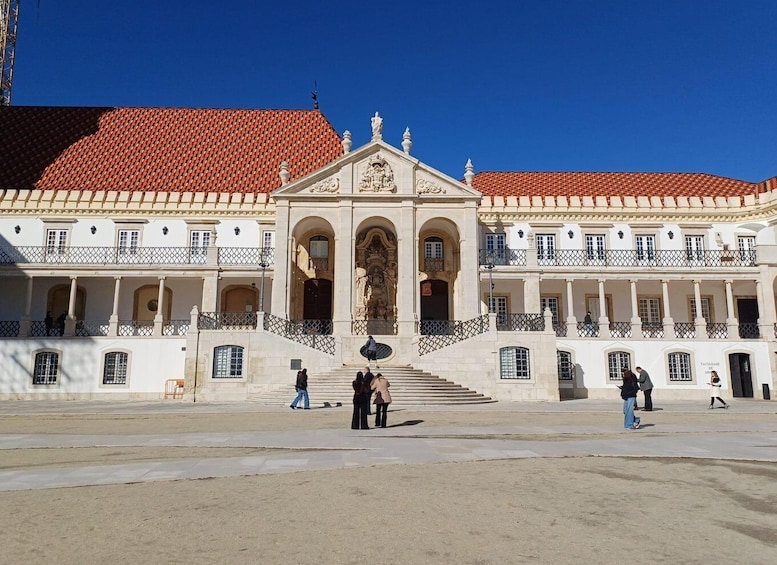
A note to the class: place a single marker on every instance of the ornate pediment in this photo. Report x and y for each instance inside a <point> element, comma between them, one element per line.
<point>330,185</point>
<point>377,176</point>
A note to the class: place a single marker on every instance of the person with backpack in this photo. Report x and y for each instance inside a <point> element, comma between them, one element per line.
<point>629,390</point>
<point>302,390</point>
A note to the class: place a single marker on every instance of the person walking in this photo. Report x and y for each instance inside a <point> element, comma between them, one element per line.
<point>302,390</point>
<point>382,399</point>
<point>368,376</point>
<point>646,386</point>
<point>715,386</point>
<point>629,390</point>
<point>372,350</point>
<point>359,418</point>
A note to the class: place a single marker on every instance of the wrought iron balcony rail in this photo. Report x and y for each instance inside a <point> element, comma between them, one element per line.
<point>226,321</point>
<point>27,255</point>
<point>623,258</point>
<point>620,329</point>
<point>717,330</point>
<point>652,329</point>
<point>585,329</point>
<point>374,327</point>
<point>520,322</point>
<point>749,331</point>
<point>506,256</point>
<point>433,265</point>
<point>685,330</point>
<point>312,333</point>
<point>437,334</point>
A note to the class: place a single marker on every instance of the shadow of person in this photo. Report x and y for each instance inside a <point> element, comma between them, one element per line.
<point>406,423</point>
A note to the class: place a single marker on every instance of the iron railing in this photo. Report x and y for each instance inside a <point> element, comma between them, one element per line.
<point>176,327</point>
<point>506,256</point>
<point>437,334</point>
<point>717,330</point>
<point>226,321</point>
<point>301,332</point>
<point>254,256</point>
<point>560,328</point>
<point>627,258</point>
<point>588,329</point>
<point>652,329</point>
<point>9,328</point>
<point>749,331</point>
<point>319,263</point>
<point>620,329</point>
<point>87,328</point>
<point>374,327</point>
<point>685,330</point>
<point>433,265</point>
<point>129,328</point>
<point>520,323</point>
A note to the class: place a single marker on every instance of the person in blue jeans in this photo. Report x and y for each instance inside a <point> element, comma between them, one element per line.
<point>629,390</point>
<point>302,390</point>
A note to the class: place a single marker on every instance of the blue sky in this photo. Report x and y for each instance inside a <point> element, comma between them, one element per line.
<point>651,85</point>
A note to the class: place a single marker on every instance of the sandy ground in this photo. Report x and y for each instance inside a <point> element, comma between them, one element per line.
<point>559,510</point>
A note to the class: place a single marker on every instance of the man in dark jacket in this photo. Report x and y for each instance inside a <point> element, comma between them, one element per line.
<point>629,390</point>
<point>646,386</point>
<point>302,390</point>
<point>368,376</point>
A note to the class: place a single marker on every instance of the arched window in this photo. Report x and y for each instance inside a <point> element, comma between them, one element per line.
<point>319,252</point>
<point>46,371</point>
<point>115,368</point>
<point>514,363</point>
<point>680,367</point>
<point>616,362</point>
<point>433,254</point>
<point>228,362</point>
<point>565,368</point>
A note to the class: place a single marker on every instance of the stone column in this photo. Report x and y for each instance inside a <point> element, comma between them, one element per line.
<point>159,318</point>
<point>407,275</point>
<point>469,267</point>
<point>281,270</point>
<point>767,315</point>
<point>210,292</point>
<point>531,293</point>
<point>765,329</point>
<point>732,324</point>
<point>668,322</point>
<point>113,321</point>
<point>25,324</point>
<point>699,322</point>
<point>636,321</point>
<point>344,272</point>
<point>70,321</point>
<point>604,318</point>
<point>571,320</point>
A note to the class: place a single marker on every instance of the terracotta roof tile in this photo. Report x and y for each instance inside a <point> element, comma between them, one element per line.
<point>160,149</point>
<point>611,184</point>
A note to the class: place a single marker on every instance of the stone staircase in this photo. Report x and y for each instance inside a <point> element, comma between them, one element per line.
<point>409,386</point>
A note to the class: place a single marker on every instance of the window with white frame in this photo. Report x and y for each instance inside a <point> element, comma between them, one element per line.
<point>546,248</point>
<point>128,241</point>
<point>551,303</point>
<point>498,306</point>
<point>646,248</point>
<point>694,248</point>
<point>746,246</point>
<point>268,239</point>
<point>199,241</point>
<point>495,244</point>
<point>433,254</point>
<point>46,370</point>
<point>594,248</point>
<point>228,362</point>
<point>115,368</point>
<point>514,363</point>
<point>616,362</point>
<point>705,308</point>
<point>565,366</point>
<point>56,242</point>
<point>650,310</point>
<point>680,367</point>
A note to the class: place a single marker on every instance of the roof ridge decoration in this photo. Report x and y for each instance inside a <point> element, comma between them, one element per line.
<point>377,176</point>
<point>377,127</point>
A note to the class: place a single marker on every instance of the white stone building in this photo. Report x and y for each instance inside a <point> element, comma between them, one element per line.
<point>224,248</point>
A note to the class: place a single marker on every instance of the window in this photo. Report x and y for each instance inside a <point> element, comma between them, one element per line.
<point>594,249</point>
<point>56,244</point>
<point>495,244</point>
<point>199,241</point>
<point>705,308</point>
<point>694,248</point>
<point>616,362</point>
<point>46,370</point>
<point>115,368</point>
<point>128,242</point>
<point>565,367</point>
<point>498,306</point>
<point>746,245</point>
<point>319,252</point>
<point>680,367</point>
<point>650,310</point>
<point>551,303</point>
<point>646,249</point>
<point>514,363</point>
<point>546,249</point>
<point>268,239</point>
<point>433,254</point>
<point>228,362</point>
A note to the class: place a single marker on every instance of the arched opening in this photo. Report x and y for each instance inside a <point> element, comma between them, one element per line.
<point>241,298</point>
<point>146,303</point>
<point>59,299</point>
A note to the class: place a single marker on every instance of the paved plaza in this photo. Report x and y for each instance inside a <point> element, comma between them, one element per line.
<point>152,451</point>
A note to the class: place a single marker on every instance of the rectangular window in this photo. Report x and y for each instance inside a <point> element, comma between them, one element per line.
<point>564,359</point>
<point>680,367</point>
<point>546,249</point>
<point>646,249</point>
<point>433,249</point>
<point>616,362</point>
<point>228,362</point>
<point>650,310</point>
<point>705,308</point>
<point>199,241</point>
<point>46,368</point>
<point>694,248</point>
<point>594,249</point>
<point>495,244</point>
<point>498,306</point>
<point>319,248</point>
<point>514,363</point>
<point>268,239</point>
<point>115,369</point>
<point>128,242</point>
<point>746,246</point>
<point>56,244</point>
<point>551,303</point>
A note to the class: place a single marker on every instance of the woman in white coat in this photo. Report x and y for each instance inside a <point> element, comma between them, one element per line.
<point>380,386</point>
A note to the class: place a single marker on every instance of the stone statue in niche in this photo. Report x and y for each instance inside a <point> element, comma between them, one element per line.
<point>361,291</point>
<point>378,176</point>
<point>376,276</point>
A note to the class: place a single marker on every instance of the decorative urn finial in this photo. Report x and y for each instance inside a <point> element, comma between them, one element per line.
<point>469,172</point>
<point>347,142</point>
<point>406,141</point>
<point>284,174</point>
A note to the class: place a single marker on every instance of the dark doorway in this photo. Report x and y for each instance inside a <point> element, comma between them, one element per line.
<point>434,300</point>
<point>747,314</point>
<point>741,377</point>
<point>318,300</point>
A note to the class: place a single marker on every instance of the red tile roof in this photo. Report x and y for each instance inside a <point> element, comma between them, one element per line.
<point>612,184</point>
<point>160,149</point>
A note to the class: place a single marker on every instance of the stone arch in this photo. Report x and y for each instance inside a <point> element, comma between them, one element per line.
<point>447,269</point>
<point>240,298</point>
<point>59,298</point>
<point>376,271</point>
<point>144,304</point>
<point>313,260</point>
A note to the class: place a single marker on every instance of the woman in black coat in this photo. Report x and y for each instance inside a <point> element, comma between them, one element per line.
<point>629,390</point>
<point>359,419</point>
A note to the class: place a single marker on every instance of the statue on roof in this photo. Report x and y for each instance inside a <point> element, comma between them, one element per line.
<point>377,127</point>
